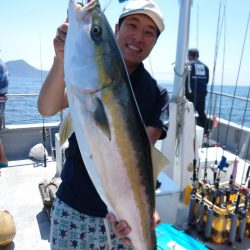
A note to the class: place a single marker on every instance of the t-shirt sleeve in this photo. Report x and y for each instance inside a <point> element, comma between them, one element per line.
<point>159,118</point>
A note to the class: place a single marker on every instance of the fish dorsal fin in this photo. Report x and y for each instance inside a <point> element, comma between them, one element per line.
<point>101,119</point>
<point>159,161</point>
<point>66,129</point>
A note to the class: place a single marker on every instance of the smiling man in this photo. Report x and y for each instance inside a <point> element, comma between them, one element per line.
<point>139,26</point>
<point>78,208</point>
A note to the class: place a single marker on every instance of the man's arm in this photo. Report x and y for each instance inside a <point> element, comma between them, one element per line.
<point>153,134</point>
<point>52,97</point>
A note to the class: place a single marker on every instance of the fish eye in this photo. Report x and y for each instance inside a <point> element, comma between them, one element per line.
<point>96,29</point>
<point>96,32</point>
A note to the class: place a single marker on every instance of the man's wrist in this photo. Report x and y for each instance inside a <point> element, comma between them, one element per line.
<point>58,61</point>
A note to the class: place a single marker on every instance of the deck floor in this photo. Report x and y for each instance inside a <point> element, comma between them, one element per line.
<point>20,195</point>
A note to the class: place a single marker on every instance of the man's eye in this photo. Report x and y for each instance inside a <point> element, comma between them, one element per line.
<point>150,34</point>
<point>131,25</point>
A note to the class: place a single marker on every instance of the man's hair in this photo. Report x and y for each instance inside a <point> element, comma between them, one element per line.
<point>122,19</point>
<point>193,53</point>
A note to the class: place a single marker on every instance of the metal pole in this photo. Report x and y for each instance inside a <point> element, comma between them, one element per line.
<point>182,45</point>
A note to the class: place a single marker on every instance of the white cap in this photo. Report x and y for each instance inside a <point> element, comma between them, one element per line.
<point>146,7</point>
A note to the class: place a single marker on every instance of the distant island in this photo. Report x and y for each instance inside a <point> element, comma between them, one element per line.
<point>20,68</point>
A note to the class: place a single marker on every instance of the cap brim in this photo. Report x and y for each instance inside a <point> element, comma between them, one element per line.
<point>156,19</point>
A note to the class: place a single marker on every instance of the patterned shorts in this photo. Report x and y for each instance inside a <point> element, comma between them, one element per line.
<point>73,230</point>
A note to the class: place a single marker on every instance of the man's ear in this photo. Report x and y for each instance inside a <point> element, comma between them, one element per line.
<point>116,28</point>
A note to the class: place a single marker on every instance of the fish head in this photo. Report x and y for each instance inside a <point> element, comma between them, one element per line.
<point>92,57</point>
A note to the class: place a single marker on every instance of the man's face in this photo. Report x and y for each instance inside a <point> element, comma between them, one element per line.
<point>136,38</point>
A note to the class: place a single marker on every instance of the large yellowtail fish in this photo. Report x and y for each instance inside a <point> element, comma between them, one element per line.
<point>109,129</point>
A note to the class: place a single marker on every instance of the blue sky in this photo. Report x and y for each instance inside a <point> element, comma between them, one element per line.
<point>28,27</point>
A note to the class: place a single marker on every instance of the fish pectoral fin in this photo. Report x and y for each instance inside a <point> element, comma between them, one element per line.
<point>101,119</point>
<point>66,129</point>
<point>159,161</point>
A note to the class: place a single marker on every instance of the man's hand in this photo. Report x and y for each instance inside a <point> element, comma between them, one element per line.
<point>156,219</point>
<point>122,229</point>
<point>59,41</point>
<point>61,33</point>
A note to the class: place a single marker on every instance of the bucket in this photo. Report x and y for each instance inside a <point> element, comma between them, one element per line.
<point>7,228</point>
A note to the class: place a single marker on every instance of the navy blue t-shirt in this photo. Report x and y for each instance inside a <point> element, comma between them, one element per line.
<point>199,78</point>
<point>77,189</point>
<point>4,79</point>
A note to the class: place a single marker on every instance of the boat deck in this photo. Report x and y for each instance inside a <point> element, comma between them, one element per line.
<point>20,195</point>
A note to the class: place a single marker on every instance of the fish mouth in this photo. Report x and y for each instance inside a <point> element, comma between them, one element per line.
<point>98,89</point>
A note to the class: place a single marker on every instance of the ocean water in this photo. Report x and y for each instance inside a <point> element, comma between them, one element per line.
<point>224,105</point>
<point>23,109</point>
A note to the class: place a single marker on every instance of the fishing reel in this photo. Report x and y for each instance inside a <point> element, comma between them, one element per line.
<point>44,132</point>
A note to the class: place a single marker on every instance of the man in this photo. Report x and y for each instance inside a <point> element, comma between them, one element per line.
<point>196,86</point>
<point>4,83</point>
<point>137,31</point>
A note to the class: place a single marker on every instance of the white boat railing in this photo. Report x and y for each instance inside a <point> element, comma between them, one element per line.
<point>234,109</point>
<point>22,109</point>
<point>20,101</point>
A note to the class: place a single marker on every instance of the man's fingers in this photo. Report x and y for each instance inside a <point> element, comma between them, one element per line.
<point>127,242</point>
<point>110,218</point>
<point>121,228</point>
<point>62,32</point>
<point>156,219</point>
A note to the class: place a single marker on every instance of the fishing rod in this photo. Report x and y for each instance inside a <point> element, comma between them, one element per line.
<point>192,199</point>
<point>44,131</point>
<point>217,173</point>
<point>223,162</point>
<point>221,91</point>
<point>241,130</point>
<point>209,106</point>
<point>243,216</point>
<point>237,78</point>
<point>197,27</point>
<point>205,167</point>
<point>247,174</point>
<point>220,22</point>
<point>239,216</point>
<point>210,209</point>
<point>230,192</point>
